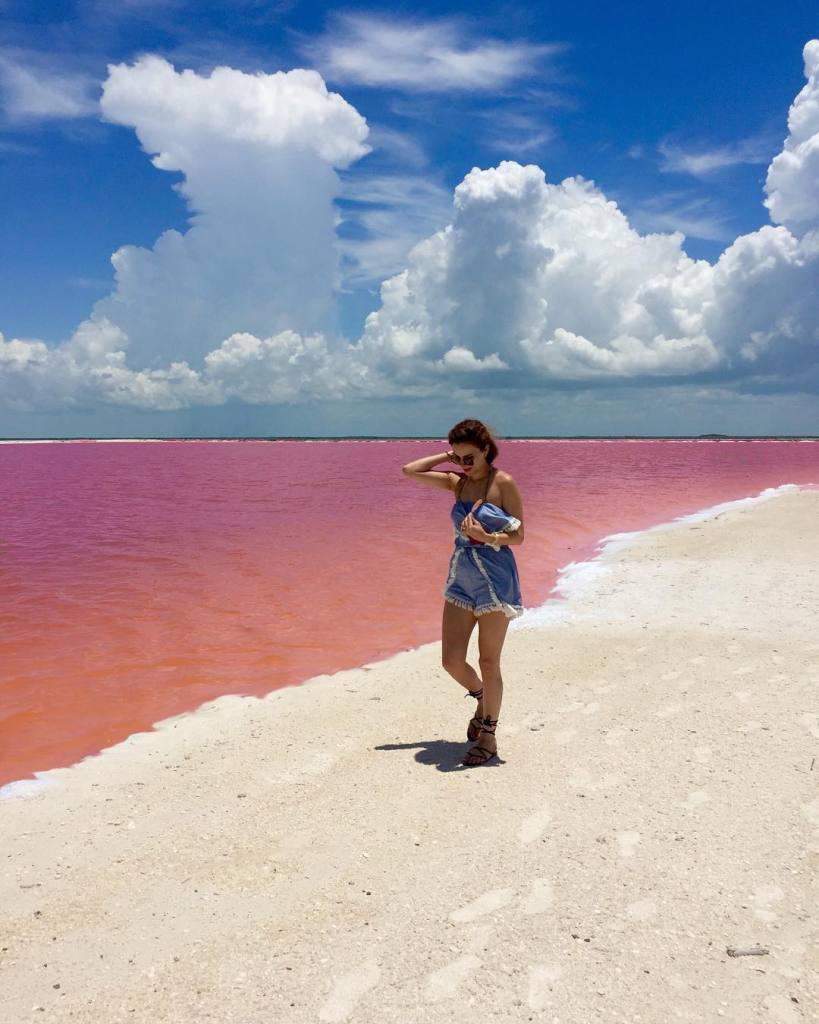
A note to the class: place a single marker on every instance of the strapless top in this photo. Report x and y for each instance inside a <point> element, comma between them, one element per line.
<point>492,518</point>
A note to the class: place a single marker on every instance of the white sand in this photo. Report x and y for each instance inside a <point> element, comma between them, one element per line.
<point>319,855</point>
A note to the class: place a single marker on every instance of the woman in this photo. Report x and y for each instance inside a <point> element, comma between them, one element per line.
<point>482,583</point>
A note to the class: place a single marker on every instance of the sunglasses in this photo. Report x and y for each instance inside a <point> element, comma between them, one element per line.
<point>467,460</point>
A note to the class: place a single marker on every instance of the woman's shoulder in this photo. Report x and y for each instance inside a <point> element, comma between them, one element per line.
<point>507,486</point>
<point>503,478</point>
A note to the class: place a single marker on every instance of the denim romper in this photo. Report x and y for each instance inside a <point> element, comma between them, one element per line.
<point>480,578</point>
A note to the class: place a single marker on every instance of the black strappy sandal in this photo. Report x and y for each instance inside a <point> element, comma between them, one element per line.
<point>474,731</point>
<point>484,754</point>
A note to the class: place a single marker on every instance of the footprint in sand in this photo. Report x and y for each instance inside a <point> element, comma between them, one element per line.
<point>480,935</point>
<point>534,826</point>
<point>540,898</point>
<point>698,660</point>
<point>743,696</point>
<point>696,798</point>
<point>445,982</point>
<point>347,991</point>
<point>541,981</point>
<point>614,737</point>
<point>591,708</point>
<point>581,778</point>
<point>492,900</point>
<point>565,736</point>
<point>627,843</point>
<point>763,897</point>
<point>669,676</point>
<point>315,764</point>
<point>749,727</point>
<point>568,709</point>
<point>669,710</point>
<point>811,811</point>
<point>733,648</point>
<point>810,720</point>
<point>641,910</point>
<point>610,779</point>
<point>702,754</point>
<point>745,670</point>
<point>781,1009</point>
<point>605,688</point>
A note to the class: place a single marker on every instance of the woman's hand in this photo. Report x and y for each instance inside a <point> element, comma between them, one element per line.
<point>472,528</point>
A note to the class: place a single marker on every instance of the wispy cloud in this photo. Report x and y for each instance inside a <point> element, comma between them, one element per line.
<point>399,145</point>
<point>35,87</point>
<point>388,203</point>
<point>100,284</point>
<point>518,133</point>
<point>420,56</point>
<point>203,53</point>
<point>703,161</point>
<point>694,216</point>
<point>8,146</point>
<point>384,216</point>
<point>103,13</point>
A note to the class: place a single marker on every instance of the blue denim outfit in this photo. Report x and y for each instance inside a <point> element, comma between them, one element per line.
<point>480,578</point>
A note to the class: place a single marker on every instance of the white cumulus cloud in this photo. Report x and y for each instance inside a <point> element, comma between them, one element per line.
<point>529,282</point>
<point>549,278</point>
<point>258,154</point>
<point>793,176</point>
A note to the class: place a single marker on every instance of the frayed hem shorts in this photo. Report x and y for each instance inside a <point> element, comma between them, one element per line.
<point>484,580</point>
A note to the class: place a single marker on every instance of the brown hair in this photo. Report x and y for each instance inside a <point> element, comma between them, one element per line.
<point>477,433</point>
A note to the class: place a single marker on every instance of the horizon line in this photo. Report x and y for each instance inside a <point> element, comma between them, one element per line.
<point>425,437</point>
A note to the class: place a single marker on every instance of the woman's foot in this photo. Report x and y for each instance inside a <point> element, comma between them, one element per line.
<point>487,746</point>
<point>473,730</point>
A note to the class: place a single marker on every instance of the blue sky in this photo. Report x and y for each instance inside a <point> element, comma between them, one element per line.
<point>674,113</point>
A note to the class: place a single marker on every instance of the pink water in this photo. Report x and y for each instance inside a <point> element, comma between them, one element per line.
<point>139,580</point>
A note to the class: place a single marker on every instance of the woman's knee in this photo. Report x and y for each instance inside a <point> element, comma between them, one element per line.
<point>453,664</point>
<point>489,663</point>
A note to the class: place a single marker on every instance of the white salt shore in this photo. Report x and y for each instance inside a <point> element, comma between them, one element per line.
<point>321,855</point>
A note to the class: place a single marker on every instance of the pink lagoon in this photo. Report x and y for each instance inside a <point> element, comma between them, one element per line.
<point>140,580</point>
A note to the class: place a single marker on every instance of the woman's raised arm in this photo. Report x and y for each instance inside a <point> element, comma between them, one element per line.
<point>421,469</point>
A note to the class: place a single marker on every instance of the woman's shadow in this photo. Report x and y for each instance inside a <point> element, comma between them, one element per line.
<point>445,755</point>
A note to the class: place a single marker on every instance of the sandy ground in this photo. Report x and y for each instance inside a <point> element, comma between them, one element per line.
<point>320,855</point>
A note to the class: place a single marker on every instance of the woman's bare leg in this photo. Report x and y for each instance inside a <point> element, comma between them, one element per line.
<point>491,635</point>
<point>456,629</point>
